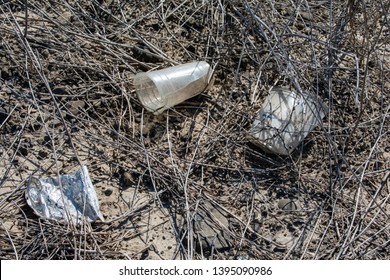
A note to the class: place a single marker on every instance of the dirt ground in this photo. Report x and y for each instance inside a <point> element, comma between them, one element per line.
<point>187,184</point>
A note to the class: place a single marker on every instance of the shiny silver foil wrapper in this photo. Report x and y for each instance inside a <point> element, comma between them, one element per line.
<point>65,198</point>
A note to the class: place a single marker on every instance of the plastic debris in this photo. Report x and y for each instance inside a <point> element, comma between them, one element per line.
<point>284,120</point>
<point>69,197</point>
<point>163,89</point>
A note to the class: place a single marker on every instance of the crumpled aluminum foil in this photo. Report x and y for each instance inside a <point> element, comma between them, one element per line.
<point>69,197</point>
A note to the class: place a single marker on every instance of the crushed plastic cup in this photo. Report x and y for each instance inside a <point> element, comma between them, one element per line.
<point>163,89</point>
<point>284,120</point>
<point>68,197</point>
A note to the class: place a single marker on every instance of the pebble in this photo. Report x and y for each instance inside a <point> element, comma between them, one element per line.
<point>210,224</point>
<point>287,204</point>
<point>75,106</point>
<point>108,191</point>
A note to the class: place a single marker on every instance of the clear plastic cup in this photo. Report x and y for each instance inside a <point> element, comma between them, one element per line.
<point>163,89</point>
<point>284,120</point>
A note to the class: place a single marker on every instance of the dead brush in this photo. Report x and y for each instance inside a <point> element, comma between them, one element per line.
<point>67,98</point>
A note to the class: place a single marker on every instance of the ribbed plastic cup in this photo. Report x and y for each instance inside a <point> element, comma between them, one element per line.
<point>163,89</point>
<point>284,120</point>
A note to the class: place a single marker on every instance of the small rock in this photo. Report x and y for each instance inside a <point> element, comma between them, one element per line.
<point>74,107</point>
<point>210,226</point>
<point>59,90</point>
<point>287,204</point>
<point>45,53</point>
<point>242,257</point>
<point>108,191</point>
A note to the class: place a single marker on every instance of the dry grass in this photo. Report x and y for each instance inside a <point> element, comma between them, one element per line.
<point>66,98</point>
